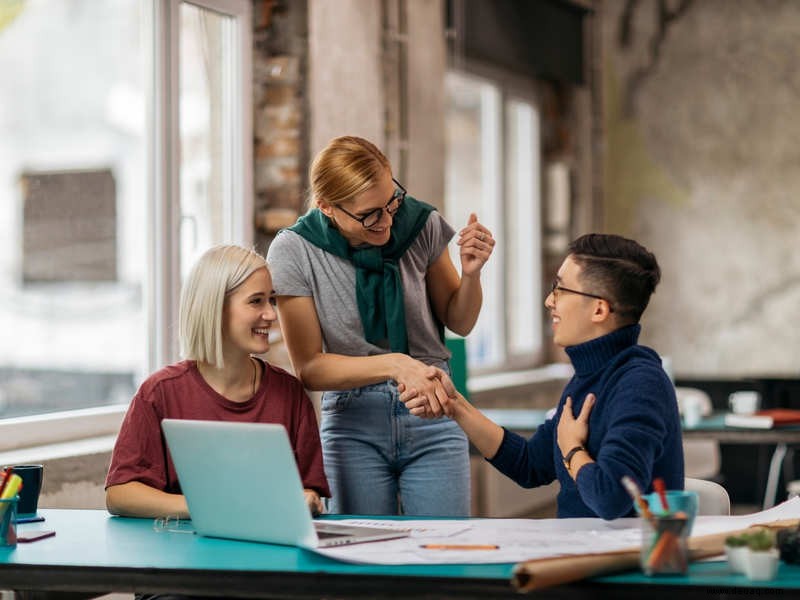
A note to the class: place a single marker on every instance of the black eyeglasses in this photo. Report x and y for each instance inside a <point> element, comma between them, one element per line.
<point>555,289</point>
<point>372,217</point>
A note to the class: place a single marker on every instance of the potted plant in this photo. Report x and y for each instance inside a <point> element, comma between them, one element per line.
<point>735,551</point>
<point>761,560</point>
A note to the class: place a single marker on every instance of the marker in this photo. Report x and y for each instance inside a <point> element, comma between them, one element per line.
<point>6,478</point>
<point>460,547</point>
<point>12,485</point>
<point>661,488</point>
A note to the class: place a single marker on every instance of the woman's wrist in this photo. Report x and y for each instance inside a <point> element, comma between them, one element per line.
<point>396,364</point>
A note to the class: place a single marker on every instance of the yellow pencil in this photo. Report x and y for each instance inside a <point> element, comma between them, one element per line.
<point>460,547</point>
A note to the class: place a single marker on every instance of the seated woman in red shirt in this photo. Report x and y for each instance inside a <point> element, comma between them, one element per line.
<point>226,311</point>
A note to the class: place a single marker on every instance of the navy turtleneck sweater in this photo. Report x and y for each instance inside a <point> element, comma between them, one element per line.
<point>634,429</point>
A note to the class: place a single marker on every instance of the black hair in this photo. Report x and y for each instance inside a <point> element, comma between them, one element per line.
<point>620,270</point>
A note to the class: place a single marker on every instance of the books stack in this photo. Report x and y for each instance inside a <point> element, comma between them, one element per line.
<point>764,419</point>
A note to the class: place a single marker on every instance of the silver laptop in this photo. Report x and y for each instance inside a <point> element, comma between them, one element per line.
<point>241,482</point>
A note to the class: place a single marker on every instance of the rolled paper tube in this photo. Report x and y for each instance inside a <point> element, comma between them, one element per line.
<point>541,573</point>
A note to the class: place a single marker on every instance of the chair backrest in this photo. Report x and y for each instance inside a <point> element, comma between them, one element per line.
<point>713,498</point>
<point>702,457</point>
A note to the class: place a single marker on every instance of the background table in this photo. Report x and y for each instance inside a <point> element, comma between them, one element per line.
<point>525,422</point>
<point>714,427</point>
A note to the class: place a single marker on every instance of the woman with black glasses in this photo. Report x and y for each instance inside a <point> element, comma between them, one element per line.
<point>365,285</point>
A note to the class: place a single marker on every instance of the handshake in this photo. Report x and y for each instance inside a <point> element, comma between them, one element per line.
<point>429,393</point>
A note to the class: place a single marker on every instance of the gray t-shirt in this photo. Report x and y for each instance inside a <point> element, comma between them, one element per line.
<point>299,268</point>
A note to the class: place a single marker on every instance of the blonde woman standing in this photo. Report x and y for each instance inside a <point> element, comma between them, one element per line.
<point>226,312</point>
<point>364,286</point>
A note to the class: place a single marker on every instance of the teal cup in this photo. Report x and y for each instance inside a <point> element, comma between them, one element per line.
<point>8,522</point>
<point>665,545</point>
<point>678,500</point>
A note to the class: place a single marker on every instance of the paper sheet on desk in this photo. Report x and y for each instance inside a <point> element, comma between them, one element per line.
<point>524,539</point>
<point>517,539</point>
<point>705,525</point>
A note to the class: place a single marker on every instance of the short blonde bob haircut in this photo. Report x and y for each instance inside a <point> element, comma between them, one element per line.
<point>346,167</point>
<point>217,273</point>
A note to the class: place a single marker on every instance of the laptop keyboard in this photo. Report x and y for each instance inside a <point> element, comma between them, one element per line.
<point>326,535</point>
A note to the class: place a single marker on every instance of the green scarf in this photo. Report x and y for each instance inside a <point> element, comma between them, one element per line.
<point>379,289</point>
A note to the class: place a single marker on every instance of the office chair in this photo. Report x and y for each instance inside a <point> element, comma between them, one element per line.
<point>713,499</point>
<point>701,457</point>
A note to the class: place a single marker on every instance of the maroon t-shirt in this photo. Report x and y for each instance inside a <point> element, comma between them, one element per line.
<point>179,392</point>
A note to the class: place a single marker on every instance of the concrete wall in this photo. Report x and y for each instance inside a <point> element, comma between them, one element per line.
<point>701,166</point>
<point>376,70</point>
<point>427,64</point>
<point>345,71</point>
<point>75,482</point>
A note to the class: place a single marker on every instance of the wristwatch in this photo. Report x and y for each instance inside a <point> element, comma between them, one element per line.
<point>568,458</point>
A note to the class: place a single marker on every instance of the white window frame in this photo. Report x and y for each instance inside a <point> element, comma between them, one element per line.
<point>511,88</point>
<point>163,28</point>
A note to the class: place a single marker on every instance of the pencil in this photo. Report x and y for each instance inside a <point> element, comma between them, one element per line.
<point>633,489</point>
<point>460,547</point>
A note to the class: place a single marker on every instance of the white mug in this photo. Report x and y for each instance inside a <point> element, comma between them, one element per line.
<point>692,408</point>
<point>744,402</point>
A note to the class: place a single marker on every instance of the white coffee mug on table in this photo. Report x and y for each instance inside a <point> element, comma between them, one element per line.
<point>744,402</point>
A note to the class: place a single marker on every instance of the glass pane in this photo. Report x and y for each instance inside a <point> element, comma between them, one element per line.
<point>206,130</point>
<point>524,228</point>
<point>73,185</point>
<point>473,184</point>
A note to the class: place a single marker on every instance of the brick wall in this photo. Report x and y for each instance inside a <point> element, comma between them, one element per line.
<point>280,123</point>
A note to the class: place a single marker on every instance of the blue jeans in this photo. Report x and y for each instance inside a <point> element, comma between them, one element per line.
<point>382,460</point>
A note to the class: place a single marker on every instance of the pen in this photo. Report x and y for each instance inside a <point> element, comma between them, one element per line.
<point>460,547</point>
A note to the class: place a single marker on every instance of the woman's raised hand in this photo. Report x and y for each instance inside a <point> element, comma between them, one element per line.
<point>476,243</point>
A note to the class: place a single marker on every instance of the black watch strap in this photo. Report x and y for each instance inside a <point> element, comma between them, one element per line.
<point>568,457</point>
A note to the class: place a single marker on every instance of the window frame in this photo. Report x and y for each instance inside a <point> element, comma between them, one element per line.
<point>511,87</point>
<point>161,27</point>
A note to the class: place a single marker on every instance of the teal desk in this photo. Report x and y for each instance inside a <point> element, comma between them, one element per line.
<point>522,420</point>
<point>94,552</point>
<point>713,427</point>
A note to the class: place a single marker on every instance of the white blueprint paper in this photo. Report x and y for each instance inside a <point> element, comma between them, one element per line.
<point>518,540</point>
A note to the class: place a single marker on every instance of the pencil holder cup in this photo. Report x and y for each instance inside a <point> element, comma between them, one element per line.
<point>665,549</point>
<point>678,501</point>
<point>8,522</point>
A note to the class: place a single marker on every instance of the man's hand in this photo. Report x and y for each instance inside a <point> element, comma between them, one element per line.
<point>572,431</point>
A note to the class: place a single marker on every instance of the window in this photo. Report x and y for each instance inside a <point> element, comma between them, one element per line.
<point>99,218</point>
<point>492,169</point>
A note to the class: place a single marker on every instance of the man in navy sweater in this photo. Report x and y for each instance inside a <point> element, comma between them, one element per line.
<point>618,414</point>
